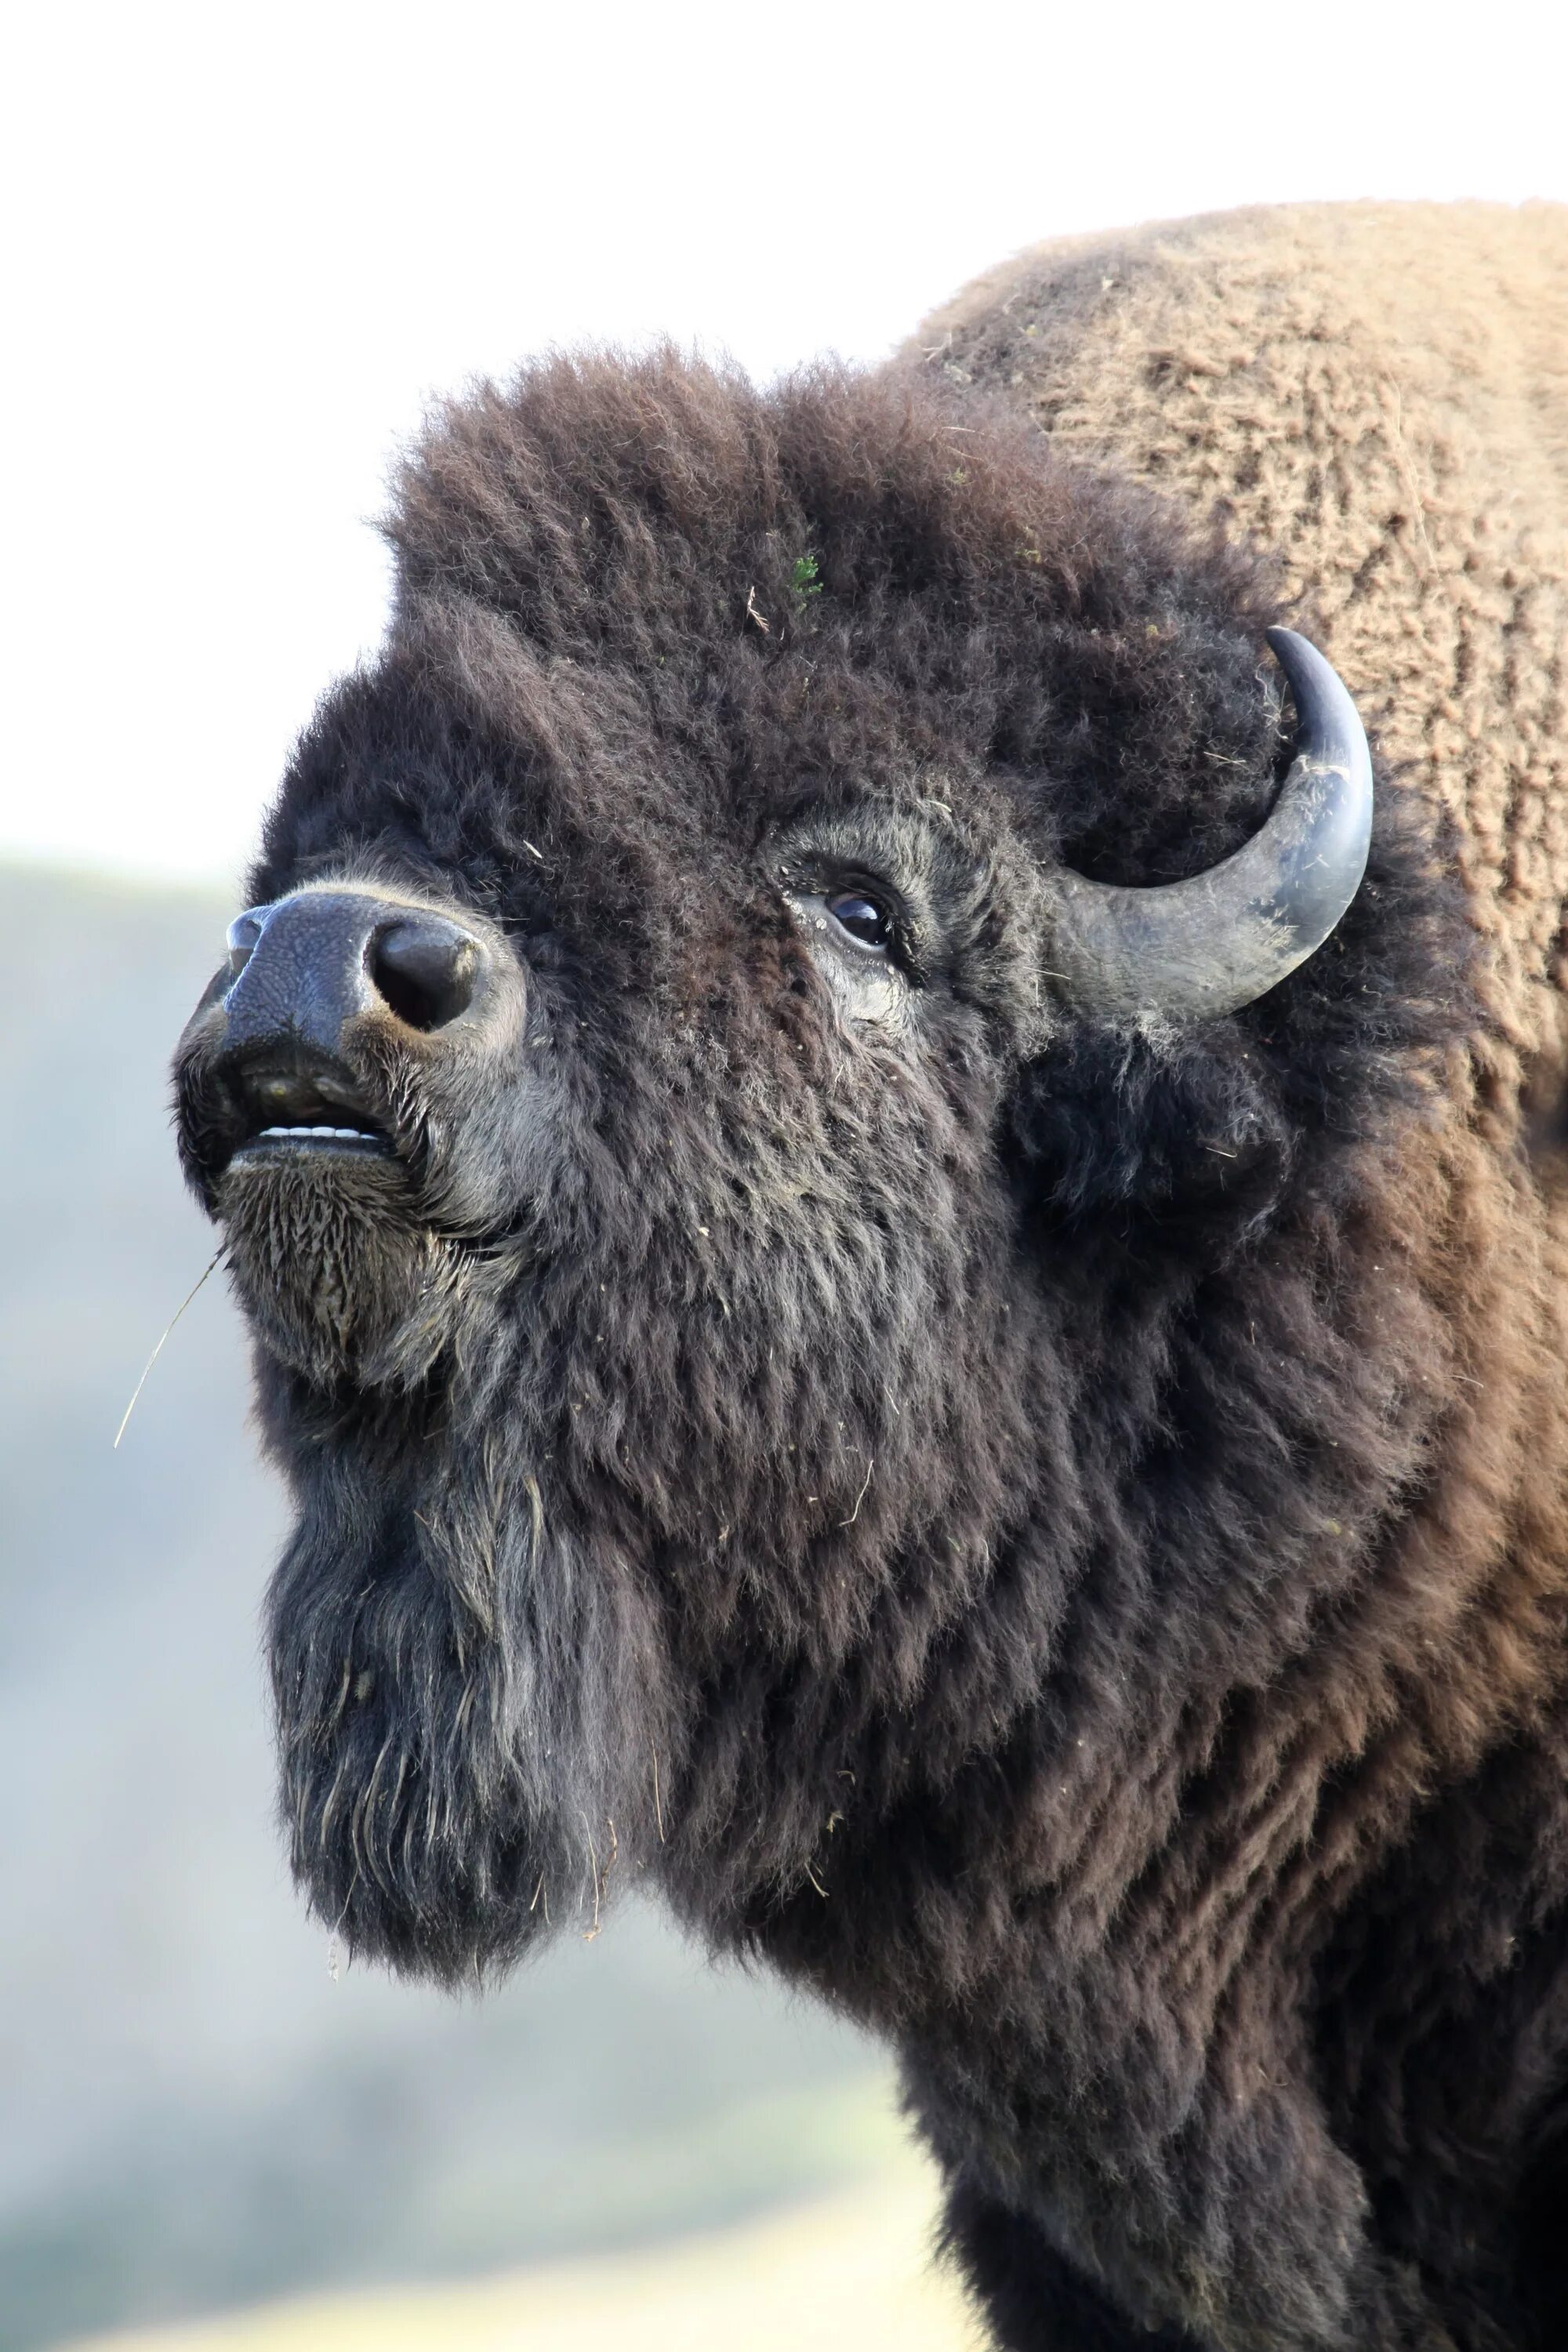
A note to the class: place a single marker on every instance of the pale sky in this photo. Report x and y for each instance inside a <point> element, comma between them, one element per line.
<point>245,246</point>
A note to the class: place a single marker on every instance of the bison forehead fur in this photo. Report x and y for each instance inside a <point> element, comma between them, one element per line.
<point>1050,1530</point>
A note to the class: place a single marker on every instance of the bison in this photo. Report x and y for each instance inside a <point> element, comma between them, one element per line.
<point>892,1306</point>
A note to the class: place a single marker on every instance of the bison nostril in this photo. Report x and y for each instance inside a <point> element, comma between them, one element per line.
<point>426,968</point>
<point>243,934</point>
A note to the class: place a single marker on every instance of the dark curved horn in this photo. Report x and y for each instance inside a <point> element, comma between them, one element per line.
<point>1193,951</point>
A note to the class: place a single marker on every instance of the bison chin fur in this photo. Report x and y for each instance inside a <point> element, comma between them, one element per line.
<point>337,1278</point>
<point>468,1718</point>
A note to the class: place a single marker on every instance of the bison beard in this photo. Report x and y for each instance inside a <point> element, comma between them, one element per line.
<point>456,1698</point>
<point>987,1501</point>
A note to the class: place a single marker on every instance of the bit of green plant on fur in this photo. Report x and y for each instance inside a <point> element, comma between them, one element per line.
<point>804,581</point>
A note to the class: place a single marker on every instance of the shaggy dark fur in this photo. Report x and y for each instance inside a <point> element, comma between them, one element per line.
<point>1051,1535</point>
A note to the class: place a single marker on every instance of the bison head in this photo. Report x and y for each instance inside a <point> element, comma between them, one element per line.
<point>703,1073</point>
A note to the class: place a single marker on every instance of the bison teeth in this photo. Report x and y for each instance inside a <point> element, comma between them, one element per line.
<point>336,1134</point>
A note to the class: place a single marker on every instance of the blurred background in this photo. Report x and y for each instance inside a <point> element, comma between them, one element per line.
<point>242,249</point>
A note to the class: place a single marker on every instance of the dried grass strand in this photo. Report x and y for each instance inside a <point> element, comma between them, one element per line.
<point>158,1350</point>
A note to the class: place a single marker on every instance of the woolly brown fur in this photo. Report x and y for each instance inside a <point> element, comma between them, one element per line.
<point>1379,393</point>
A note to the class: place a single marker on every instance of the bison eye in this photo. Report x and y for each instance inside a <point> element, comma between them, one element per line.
<point>861,917</point>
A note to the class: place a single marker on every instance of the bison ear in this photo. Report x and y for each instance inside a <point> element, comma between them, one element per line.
<point>1169,1138</point>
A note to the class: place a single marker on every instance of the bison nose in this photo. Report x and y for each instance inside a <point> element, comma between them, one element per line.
<point>306,966</point>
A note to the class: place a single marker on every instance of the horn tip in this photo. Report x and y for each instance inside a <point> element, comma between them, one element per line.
<point>1293,652</point>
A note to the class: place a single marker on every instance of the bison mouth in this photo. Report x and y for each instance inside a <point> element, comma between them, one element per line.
<point>288,1113</point>
<point>296,1133</point>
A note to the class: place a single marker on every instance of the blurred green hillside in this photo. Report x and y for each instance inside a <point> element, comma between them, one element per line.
<point>852,2272</point>
<point>849,2274</point>
<point>193,2112</point>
